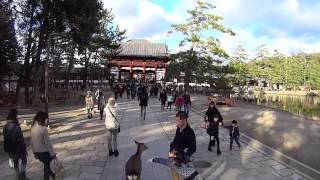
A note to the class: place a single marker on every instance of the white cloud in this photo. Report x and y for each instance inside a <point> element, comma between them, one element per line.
<point>287,25</point>
<point>286,45</point>
<point>141,18</point>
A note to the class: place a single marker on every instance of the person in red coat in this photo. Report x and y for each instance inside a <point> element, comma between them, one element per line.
<point>179,103</point>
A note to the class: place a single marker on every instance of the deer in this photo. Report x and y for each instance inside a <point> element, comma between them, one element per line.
<point>133,166</point>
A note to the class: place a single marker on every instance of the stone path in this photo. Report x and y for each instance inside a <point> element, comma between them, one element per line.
<point>81,146</point>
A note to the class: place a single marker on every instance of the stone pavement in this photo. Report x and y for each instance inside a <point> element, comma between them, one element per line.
<point>81,146</point>
<point>278,130</point>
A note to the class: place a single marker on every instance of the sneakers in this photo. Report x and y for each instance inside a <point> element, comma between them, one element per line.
<point>150,160</point>
<point>218,152</point>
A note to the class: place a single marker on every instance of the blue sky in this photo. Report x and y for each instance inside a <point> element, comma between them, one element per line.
<point>289,26</point>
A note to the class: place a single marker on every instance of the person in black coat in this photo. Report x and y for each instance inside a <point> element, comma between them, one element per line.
<point>143,98</point>
<point>163,99</point>
<point>214,117</point>
<point>185,140</point>
<point>14,144</point>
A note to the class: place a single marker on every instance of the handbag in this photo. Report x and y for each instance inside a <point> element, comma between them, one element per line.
<point>115,119</point>
<point>58,169</point>
<point>204,124</point>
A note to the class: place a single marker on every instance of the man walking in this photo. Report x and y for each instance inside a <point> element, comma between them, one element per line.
<point>187,102</point>
<point>143,102</point>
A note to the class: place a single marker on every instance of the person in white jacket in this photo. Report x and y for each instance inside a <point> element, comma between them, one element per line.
<point>40,143</point>
<point>112,125</point>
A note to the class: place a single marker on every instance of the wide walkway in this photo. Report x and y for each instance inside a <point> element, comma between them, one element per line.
<point>81,146</point>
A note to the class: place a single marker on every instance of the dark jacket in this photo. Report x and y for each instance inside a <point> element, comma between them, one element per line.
<point>13,137</point>
<point>214,118</point>
<point>163,97</point>
<point>187,99</point>
<point>233,131</point>
<point>143,99</point>
<point>184,140</point>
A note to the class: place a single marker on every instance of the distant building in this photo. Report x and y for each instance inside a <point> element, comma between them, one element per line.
<point>140,60</point>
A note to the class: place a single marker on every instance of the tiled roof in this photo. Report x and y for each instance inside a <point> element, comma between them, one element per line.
<point>143,48</point>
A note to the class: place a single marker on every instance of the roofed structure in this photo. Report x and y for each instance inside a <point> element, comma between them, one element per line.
<point>141,60</point>
<point>143,48</point>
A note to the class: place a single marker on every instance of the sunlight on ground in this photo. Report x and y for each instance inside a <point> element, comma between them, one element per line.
<point>265,122</point>
<point>231,174</point>
<point>246,152</point>
<point>291,140</point>
<point>215,170</point>
<point>130,110</point>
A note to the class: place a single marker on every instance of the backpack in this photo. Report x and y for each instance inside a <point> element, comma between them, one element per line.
<point>10,142</point>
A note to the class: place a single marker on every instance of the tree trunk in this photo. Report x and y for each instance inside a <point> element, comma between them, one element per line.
<point>37,71</point>
<point>70,66</point>
<point>27,67</point>
<point>85,70</point>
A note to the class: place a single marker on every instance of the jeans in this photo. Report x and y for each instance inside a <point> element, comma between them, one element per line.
<point>187,109</point>
<point>143,112</point>
<point>112,139</point>
<point>236,138</point>
<point>46,159</point>
<point>101,113</point>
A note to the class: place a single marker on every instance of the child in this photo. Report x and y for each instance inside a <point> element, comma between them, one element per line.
<point>234,133</point>
<point>170,100</point>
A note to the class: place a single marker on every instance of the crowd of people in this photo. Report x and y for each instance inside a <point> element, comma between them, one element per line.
<point>182,147</point>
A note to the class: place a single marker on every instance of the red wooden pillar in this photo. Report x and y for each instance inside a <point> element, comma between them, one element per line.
<point>144,72</point>
<point>155,74</point>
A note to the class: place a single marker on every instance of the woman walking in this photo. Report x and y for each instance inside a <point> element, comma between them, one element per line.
<point>101,103</point>
<point>89,104</point>
<point>113,126</point>
<point>214,118</point>
<point>14,144</point>
<point>40,143</point>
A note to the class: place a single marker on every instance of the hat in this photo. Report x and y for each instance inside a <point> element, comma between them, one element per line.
<point>234,122</point>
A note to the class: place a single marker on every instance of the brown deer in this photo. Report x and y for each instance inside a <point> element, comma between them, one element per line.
<point>133,165</point>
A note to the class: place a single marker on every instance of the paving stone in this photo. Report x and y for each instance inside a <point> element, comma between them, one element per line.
<point>257,159</point>
<point>278,167</point>
<point>270,163</point>
<point>71,175</point>
<point>83,162</point>
<point>91,169</point>
<point>72,167</point>
<point>89,176</point>
<point>251,165</point>
<point>285,172</point>
<point>99,163</point>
